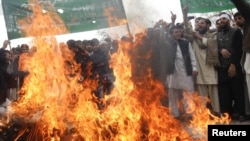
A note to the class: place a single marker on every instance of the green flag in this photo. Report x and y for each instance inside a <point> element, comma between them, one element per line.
<point>77,15</point>
<point>204,6</point>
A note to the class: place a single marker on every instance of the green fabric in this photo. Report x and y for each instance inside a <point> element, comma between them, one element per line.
<point>204,6</point>
<point>78,15</point>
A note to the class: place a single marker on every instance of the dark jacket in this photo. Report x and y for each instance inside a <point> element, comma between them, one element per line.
<point>230,39</point>
<point>158,62</point>
<point>171,55</point>
<point>244,8</point>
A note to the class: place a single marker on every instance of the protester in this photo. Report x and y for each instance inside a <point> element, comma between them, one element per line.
<point>181,68</point>
<point>205,47</point>
<point>230,75</point>
<point>244,9</point>
<point>3,84</point>
<point>101,71</point>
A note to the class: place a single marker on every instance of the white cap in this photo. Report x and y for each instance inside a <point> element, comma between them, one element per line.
<point>224,16</point>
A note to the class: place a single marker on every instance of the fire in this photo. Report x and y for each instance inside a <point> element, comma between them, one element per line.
<point>50,24</point>
<point>111,19</point>
<point>55,106</point>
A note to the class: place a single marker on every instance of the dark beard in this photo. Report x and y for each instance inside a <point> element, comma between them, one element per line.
<point>202,31</point>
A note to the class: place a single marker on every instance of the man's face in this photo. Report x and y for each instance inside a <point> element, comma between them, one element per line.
<point>177,33</point>
<point>7,56</point>
<point>89,47</point>
<point>80,45</point>
<point>217,24</point>
<point>202,26</point>
<point>224,22</point>
<point>25,49</point>
<point>196,24</point>
<point>239,20</point>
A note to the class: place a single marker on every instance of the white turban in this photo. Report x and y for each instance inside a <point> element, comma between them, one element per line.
<point>224,16</point>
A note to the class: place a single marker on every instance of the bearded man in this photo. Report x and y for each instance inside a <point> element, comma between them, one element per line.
<point>243,21</point>
<point>205,48</point>
<point>230,74</point>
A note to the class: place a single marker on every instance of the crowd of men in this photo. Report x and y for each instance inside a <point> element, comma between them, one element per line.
<point>92,56</point>
<point>213,63</point>
<point>185,59</point>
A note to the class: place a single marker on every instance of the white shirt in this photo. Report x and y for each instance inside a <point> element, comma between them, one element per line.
<point>179,79</point>
<point>247,63</point>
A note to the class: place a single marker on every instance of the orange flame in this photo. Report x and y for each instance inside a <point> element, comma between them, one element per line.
<point>48,23</point>
<point>113,20</point>
<point>57,107</point>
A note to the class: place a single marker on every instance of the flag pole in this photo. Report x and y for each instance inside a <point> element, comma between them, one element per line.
<point>127,25</point>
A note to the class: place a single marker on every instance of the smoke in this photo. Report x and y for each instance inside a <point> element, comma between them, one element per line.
<point>142,14</point>
<point>139,13</point>
<point>1,9</point>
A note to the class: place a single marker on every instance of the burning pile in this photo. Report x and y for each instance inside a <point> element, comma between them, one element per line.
<point>55,106</point>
